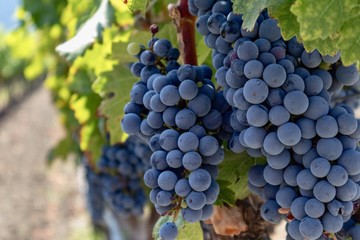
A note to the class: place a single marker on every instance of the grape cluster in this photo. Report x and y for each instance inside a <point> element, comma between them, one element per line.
<point>281,100</point>
<point>95,200</point>
<point>122,167</point>
<point>184,119</point>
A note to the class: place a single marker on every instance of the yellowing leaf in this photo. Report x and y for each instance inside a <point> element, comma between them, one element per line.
<point>320,19</point>
<point>324,46</point>
<point>349,42</point>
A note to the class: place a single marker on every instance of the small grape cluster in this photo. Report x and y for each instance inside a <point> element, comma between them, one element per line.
<point>184,119</point>
<point>159,57</point>
<point>121,169</point>
<point>95,200</point>
<point>281,98</point>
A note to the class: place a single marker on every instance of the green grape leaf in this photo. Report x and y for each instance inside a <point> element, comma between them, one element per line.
<point>280,9</point>
<point>203,51</point>
<point>63,149</point>
<point>92,140</point>
<point>136,5</point>
<point>233,176</point>
<point>329,27</point>
<point>114,88</point>
<point>349,41</point>
<point>119,48</point>
<point>226,195</point>
<point>324,46</point>
<point>97,58</point>
<point>250,10</point>
<point>320,19</point>
<point>85,110</point>
<point>187,230</point>
<point>120,53</point>
<point>45,13</point>
<point>79,82</point>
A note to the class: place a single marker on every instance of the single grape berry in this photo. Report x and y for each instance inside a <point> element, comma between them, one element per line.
<point>168,231</point>
<point>133,48</point>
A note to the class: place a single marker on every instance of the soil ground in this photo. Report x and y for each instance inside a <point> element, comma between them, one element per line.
<point>38,201</point>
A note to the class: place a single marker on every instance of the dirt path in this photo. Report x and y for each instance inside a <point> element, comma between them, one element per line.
<point>37,202</point>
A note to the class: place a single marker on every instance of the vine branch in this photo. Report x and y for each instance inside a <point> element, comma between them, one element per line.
<point>185,26</point>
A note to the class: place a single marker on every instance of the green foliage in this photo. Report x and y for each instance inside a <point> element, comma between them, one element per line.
<point>233,176</point>
<point>75,14</point>
<point>136,5</point>
<point>328,26</point>
<point>123,16</point>
<point>114,80</point>
<point>43,12</point>
<point>10,65</point>
<point>203,51</point>
<point>331,14</point>
<point>287,20</point>
<point>21,55</point>
<point>63,148</point>
<point>114,87</point>
<point>186,230</point>
<point>330,21</point>
<point>250,10</point>
<point>349,41</point>
<point>85,109</point>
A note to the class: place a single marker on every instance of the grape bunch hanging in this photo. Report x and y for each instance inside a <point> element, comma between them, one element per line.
<point>282,110</point>
<point>118,181</point>
<point>184,119</point>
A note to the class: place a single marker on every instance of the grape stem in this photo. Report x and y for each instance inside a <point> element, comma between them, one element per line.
<point>177,208</point>
<point>185,26</point>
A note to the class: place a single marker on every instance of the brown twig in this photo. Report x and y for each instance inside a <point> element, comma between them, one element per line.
<point>177,208</point>
<point>185,25</point>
